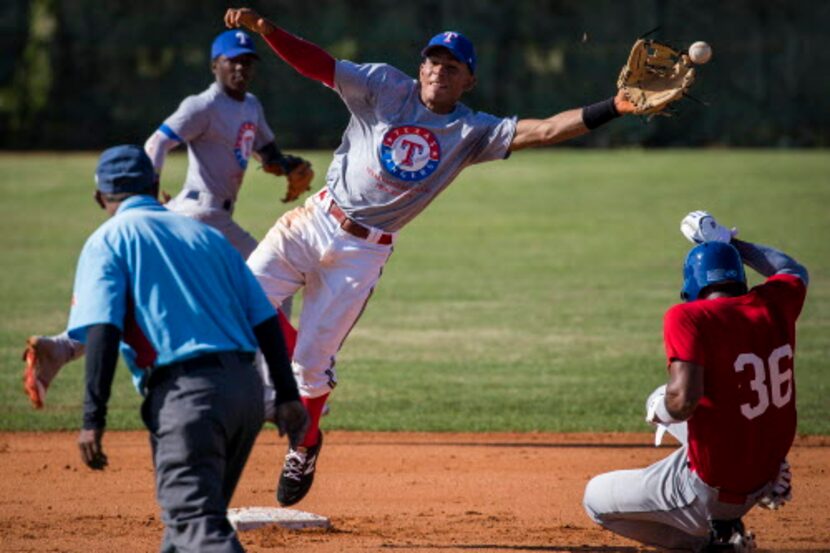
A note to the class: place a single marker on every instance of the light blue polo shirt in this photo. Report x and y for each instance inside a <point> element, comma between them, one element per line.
<point>174,286</point>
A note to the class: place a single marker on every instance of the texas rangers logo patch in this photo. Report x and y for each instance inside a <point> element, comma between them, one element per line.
<point>410,153</point>
<point>244,143</point>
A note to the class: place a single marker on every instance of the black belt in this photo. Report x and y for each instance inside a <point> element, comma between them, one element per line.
<point>200,361</point>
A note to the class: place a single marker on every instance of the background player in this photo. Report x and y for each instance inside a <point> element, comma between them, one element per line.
<point>223,127</point>
<point>407,140</point>
<point>731,376</point>
<point>203,408</point>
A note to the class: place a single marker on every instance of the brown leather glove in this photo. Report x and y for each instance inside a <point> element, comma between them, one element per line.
<point>655,76</point>
<point>297,171</point>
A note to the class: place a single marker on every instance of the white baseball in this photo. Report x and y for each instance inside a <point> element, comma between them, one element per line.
<point>700,52</point>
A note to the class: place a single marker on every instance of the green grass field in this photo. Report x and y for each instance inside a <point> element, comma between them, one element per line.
<point>528,297</point>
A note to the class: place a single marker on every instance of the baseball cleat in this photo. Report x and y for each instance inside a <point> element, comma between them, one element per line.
<point>730,535</point>
<point>743,543</point>
<point>44,357</point>
<point>298,473</point>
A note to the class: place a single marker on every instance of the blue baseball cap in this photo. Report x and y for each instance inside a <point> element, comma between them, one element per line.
<point>459,46</point>
<point>125,169</point>
<point>231,44</point>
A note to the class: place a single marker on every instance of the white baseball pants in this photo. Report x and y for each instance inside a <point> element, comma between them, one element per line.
<point>306,248</point>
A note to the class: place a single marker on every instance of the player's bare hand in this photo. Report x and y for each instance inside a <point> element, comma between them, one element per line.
<point>249,19</point>
<point>622,103</point>
<point>292,419</point>
<point>92,454</point>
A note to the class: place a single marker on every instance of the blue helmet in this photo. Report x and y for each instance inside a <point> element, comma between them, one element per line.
<point>711,263</point>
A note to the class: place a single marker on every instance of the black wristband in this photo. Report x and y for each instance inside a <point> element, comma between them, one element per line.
<point>600,113</point>
<point>270,154</point>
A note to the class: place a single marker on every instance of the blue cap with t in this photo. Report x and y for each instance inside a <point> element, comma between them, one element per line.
<point>125,169</point>
<point>231,44</point>
<point>459,46</point>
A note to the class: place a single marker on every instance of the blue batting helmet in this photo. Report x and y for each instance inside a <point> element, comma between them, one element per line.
<point>711,263</point>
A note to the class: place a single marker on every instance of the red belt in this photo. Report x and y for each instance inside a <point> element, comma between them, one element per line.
<point>353,227</point>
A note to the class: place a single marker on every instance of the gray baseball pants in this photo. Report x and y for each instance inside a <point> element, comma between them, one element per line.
<point>203,416</point>
<point>665,505</point>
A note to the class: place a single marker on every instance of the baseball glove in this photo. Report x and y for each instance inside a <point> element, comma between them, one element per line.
<point>297,171</point>
<point>43,361</point>
<point>654,76</point>
<point>700,226</point>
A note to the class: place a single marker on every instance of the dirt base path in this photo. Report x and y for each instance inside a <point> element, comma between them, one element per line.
<point>383,491</point>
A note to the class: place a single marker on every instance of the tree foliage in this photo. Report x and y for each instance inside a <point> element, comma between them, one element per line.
<point>86,74</point>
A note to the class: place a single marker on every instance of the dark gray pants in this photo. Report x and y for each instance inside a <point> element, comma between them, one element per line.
<point>203,418</point>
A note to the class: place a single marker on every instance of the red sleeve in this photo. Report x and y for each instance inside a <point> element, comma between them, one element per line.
<point>308,59</point>
<point>786,292</point>
<point>289,334</point>
<point>681,336</point>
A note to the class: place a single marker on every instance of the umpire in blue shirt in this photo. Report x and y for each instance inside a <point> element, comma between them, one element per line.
<point>181,300</point>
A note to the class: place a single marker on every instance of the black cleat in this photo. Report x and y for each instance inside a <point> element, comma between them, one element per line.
<point>298,473</point>
<point>729,535</point>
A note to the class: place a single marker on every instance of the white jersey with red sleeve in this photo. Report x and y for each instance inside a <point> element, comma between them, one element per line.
<point>745,422</point>
<point>396,155</point>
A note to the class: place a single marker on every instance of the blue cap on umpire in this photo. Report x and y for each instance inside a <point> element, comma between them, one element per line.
<point>125,169</point>
<point>459,46</point>
<point>708,264</point>
<point>231,44</point>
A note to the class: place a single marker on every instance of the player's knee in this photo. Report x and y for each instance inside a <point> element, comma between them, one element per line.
<point>597,498</point>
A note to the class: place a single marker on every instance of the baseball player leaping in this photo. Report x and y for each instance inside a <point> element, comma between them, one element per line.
<point>222,127</point>
<point>731,377</point>
<point>406,142</point>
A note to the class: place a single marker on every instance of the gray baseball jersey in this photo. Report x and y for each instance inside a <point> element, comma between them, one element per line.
<point>221,134</point>
<point>396,155</point>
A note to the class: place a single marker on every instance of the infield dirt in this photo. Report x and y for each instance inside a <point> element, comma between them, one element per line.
<point>382,491</point>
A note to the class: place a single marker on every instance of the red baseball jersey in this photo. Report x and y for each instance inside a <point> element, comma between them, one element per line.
<point>745,422</point>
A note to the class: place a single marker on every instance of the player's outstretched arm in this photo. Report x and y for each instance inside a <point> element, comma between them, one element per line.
<point>306,58</point>
<point>569,124</point>
<point>701,226</point>
<point>768,261</point>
